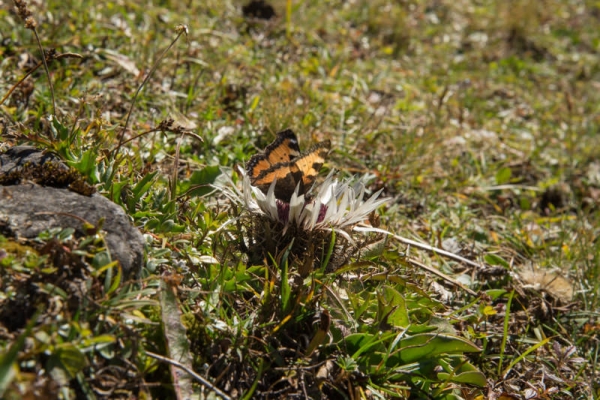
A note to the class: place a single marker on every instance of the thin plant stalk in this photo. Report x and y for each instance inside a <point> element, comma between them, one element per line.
<point>191,372</point>
<point>30,23</point>
<point>16,85</point>
<point>180,30</point>
<point>505,335</point>
<point>47,70</point>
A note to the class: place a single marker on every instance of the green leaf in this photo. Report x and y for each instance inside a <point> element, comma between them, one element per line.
<point>286,290</point>
<point>116,281</point>
<point>144,185</point>
<point>522,356</point>
<point>60,131</point>
<point>200,182</point>
<point>494,259</point>
<point>356,341</point>
<point>359,343</point>
<point>53,290</point>
<point>140,189</point>
<point>65,234</point>
<point>427,345</point>
<point>395,309</point>
<point>329,251</point>
<point>470,377</point>
<point>101,259</point>
<point>524,203</point>
<point>66,361</point>
<point>8,360</point>
<point>458,370</point>
<point>503,175</point>
<point>97,342</point>
<point>87,165</point>
<point>169,225</point>
<point>116,191</point>
<point>496,293</point>
<point>505,330</point>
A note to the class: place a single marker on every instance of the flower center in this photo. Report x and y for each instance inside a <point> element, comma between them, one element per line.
<point>322,212</point>
<point>283,211</point>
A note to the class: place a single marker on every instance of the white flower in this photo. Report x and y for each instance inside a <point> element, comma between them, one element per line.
<point>332,205</point>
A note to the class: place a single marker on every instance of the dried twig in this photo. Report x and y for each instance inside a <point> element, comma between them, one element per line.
<point>434,250</point>
<point>437,250</point>
<point>191,372</point>
<point>427,247</point>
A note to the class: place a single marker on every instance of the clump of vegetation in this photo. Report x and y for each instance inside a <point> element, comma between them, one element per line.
<point>476,122</point>
<point>50,173</point>
<point>69,322</point>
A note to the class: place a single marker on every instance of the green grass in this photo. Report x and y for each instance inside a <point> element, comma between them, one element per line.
<point>478,119</point>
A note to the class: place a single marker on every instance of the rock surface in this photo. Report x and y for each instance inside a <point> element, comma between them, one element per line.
<point>28,209</point>
<point>18,156</point>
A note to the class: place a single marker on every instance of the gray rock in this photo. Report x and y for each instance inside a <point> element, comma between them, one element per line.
<point>17,156</point>
<point>28,209</point>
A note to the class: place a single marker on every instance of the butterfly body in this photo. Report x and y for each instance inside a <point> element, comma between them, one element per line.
<point>282,161</point>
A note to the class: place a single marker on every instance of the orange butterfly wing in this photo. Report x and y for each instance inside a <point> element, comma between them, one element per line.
<point>283,161</point>
<point>306,168</point>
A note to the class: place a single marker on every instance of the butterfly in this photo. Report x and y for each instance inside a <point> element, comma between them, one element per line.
<point>283,161</point>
